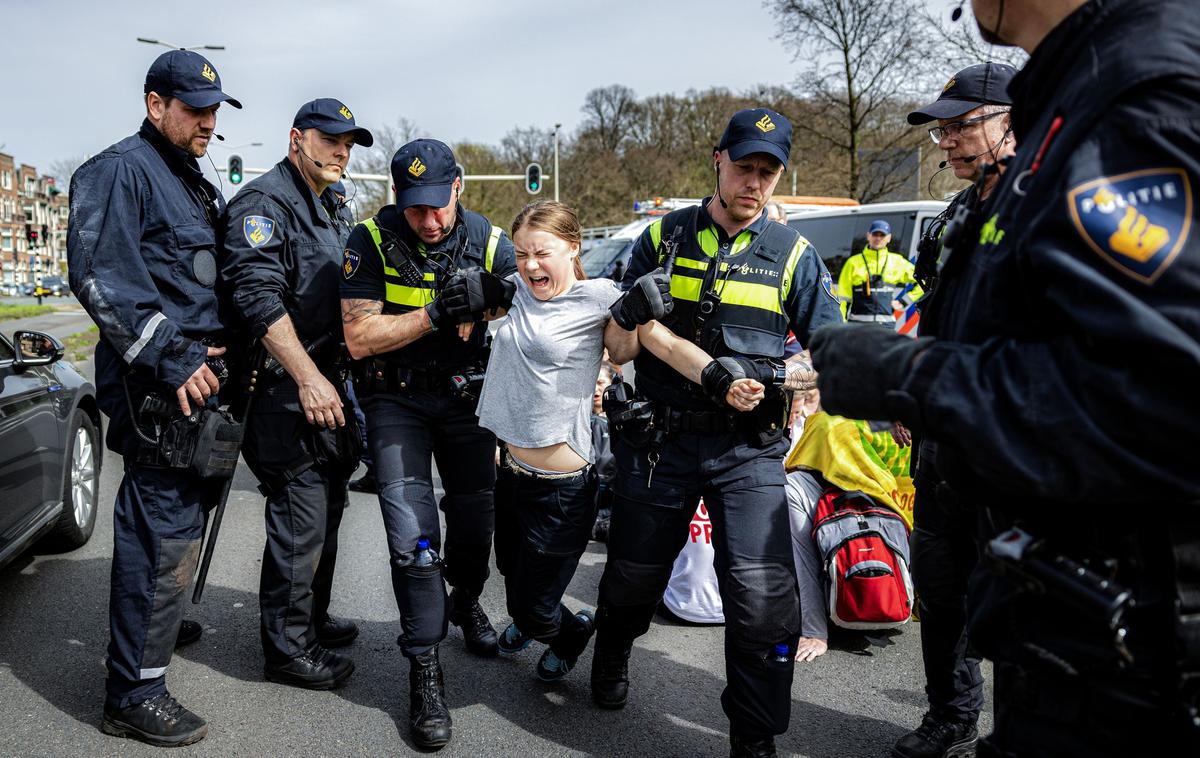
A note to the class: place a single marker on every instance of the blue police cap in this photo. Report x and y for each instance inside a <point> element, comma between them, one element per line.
<point>423,171</point>
<point>981,84</point>
<point>879,225</point>
<point>757,130</point>
<point>188,76</point>
<point>332,117</point>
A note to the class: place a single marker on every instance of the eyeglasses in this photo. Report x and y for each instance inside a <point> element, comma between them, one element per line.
<point>955,130</point>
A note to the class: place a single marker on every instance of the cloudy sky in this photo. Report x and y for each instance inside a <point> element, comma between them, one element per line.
<point>459,69</point>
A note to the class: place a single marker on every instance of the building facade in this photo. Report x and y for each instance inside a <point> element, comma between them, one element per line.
<point>33,226</point>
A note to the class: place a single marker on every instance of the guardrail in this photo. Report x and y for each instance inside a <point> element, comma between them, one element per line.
<point>600,232</point>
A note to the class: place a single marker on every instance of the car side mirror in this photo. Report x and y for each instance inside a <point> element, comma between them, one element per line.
<point>36,349</point>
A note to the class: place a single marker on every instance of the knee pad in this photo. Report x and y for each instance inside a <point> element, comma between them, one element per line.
<point>761,605</point>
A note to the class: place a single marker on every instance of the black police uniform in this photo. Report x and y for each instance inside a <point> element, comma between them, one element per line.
<point>945,551</point>
<point>770,281</point>
<point>1061,389</point>
<point>142,243</point>
<point>414,411</point>
<point>283,256</point>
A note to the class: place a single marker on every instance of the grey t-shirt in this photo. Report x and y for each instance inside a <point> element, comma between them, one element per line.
<point>542,372</point>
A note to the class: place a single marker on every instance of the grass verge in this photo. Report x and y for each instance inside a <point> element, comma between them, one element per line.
<point>10,312</point>
<point>81,346</point>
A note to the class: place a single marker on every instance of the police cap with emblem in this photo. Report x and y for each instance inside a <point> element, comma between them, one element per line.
<point>332,117</point>
<point>188,76</point>
<point>424,171</point>
<point>757,130</point>
<point>981,84</point>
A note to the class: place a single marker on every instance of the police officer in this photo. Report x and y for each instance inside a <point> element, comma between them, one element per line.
<point>142,242</point>
<point>739,283</point>
<point>1059,404</point>
<point>874,284</point>
<point>282,264</point>
<point>974,131</point>
<point>411,275</point>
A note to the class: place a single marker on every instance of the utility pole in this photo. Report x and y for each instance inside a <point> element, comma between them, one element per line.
<point>556,128</point>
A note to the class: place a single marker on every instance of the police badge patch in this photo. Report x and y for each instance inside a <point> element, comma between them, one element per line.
<point>827,286</point>
<point>258,230</point>
<point>1138,222</point>
<point>350,261</point>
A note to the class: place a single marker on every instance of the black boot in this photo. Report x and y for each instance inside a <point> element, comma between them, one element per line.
<point>610,677</point>
<point>747,747</point>
<point>159,721</point>
<point>428,717</point>
<point>478,632</point>
<point>315,669</point>
<point>335,632</point>
<point>189,632</point>
<point>938,738</point>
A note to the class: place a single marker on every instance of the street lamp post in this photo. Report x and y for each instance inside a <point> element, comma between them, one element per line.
<point>556,128</point>
<point>179,47</point>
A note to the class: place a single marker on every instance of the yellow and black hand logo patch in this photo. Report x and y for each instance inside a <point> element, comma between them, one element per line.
<point>1138,221</point>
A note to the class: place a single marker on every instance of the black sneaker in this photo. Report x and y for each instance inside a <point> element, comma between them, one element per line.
<point>189,632</point>
<point>159,721</point>
<point>747,747</point>
<point>335,632</point>
<point>938,738</point>
<point>478,632</point>
<point>610,678</point>
<point>315,669</point>
<point>512,641</point>
<point>553,666</point>
<point>365,483</point>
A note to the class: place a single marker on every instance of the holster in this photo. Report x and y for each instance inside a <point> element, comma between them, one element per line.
<point>206,443</point>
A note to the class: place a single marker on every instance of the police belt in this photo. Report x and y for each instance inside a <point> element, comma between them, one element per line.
<point>402,380</point>
<point>677,420</point>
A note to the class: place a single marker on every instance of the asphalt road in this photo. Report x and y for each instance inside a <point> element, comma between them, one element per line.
<point>54,630</point>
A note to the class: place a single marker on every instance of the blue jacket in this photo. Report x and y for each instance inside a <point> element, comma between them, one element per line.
<point>1068,355</point>
<point>141,249</point>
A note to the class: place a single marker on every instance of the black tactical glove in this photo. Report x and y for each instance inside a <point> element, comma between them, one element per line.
<point>453,305</point>
<point>493,291</point>
<point>861,367</point>
<point>719,375</point>
<point>649,298</point>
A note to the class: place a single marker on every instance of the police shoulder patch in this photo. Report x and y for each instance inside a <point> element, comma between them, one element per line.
<point>1138,222</point>
<point>258,230</point>
<point>827,286</point>
<point>350,261</point>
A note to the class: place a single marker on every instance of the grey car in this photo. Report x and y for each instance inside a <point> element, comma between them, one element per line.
<point>50,447</point>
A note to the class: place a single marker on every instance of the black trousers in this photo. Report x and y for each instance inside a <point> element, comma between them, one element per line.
<point>305,502</point>
<point>542,528</point>
<point>406,433</point>
<point>944,553</point>
<point>743,489</point>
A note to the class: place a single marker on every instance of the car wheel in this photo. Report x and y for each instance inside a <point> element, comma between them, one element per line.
<point>81,483</point>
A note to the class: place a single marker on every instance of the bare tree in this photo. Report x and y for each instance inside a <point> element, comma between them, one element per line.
<point>959,42</point>
<point>525,145</point>
<point>863,59</point>
<point>610,114</point>
<point>64,168</point>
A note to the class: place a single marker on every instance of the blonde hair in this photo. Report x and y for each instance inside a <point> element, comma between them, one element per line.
<point>555,218</point>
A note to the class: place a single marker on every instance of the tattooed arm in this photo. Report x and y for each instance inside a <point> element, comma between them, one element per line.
<point>369,332</point>
<point>801,376</point>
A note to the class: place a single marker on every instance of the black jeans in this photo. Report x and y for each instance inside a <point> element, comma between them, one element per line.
<point>743,489</point>
<point>542,527</point>
<point>944,553</point>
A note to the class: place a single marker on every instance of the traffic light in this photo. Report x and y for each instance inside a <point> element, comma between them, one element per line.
<point>533,178</point>
<point>235,169</point>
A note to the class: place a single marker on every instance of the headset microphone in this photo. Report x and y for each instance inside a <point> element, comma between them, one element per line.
<point>218,136</point>
<point>956,14</point>
<point>315,162</point>
<point>721,200</point>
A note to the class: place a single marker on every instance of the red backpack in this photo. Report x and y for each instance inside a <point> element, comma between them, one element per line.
<point>864,550</point>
